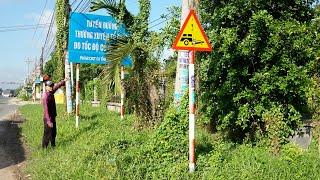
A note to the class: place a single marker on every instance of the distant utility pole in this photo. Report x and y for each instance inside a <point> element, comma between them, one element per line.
<point>41,61</point>
<point>28,63</point>
<point>42,85</point>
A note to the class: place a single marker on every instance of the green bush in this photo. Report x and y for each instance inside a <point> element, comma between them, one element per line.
<point>24,95</point>
<point>265,55</point>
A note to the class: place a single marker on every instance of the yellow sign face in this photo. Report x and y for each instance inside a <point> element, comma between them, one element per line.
<point>192,36</point>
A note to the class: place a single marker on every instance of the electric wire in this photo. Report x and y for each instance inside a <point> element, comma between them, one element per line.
<point>22,28</point>
<point>44,7</point>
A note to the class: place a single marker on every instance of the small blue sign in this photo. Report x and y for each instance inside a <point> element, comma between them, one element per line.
<point>88,35</point>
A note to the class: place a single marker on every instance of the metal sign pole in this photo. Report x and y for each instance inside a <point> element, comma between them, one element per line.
<point>192,37</point>
<point>68,84</point>
<point>77,95</point>
<point>192,161</point>
<point>122,93</point>
<point>72,80</point>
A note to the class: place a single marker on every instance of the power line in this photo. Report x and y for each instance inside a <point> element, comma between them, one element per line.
<point>73,2</point>
<point>39,41</point>
<point>44,7</point>
<point>88,8</point>
<point>50,44</point>
<point>78,5</point>
<point>20,29</point>
<point>47,46</point>
<point>43,32</point>
<point>50,48</point>
<point>161,17</point>
<point>21,26</point>
<point>158,23</point>
<point>50,28</point>
<point>85,6</point>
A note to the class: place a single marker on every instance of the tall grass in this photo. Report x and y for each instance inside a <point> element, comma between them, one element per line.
<point>105,147</point>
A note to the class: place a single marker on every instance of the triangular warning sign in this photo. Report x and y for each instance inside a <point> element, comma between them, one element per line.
<point>191,35</point>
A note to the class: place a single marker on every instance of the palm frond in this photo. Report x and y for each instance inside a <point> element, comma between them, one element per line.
<point>118,49</point>
<point>110,5</point>
<point>114,9</point>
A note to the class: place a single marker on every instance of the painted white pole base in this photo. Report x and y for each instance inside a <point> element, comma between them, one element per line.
<point>77,121</point>
<point>192,167</point>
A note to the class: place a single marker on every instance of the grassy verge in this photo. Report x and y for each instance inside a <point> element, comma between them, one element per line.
<point>104,147</point>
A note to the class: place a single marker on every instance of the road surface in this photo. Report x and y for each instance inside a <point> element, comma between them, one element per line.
<point>12,153</point>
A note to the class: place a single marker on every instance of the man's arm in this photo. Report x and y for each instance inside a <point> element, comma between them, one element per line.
<point>58,85</point>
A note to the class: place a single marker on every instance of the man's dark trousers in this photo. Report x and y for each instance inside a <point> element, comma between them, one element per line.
<point>49,135</point>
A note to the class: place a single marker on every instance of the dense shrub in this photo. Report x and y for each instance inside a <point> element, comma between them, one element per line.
<point>263,60</point>
<point>24,95</point>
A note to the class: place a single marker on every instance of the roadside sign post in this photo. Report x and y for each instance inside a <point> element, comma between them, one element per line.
<point>191,37</point>
<point>192,105</point>
<point>122,93</point>
<point>77,95</point>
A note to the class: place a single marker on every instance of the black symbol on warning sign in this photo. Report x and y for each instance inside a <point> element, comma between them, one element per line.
<point>187,38</point>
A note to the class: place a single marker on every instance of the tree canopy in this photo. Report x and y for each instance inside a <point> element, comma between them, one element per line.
<point>258,76</point>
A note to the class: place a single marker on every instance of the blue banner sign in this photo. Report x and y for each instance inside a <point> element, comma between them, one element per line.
<point>88,35</point>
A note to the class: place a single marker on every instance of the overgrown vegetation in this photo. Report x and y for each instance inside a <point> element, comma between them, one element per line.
<point>23,94</point>
<point>256,81</point>
<point>105,147</point>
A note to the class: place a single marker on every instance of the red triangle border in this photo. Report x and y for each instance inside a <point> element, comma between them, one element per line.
<point>192,12</point>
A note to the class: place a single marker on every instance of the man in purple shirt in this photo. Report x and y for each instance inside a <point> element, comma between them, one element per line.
<point>50,113</point>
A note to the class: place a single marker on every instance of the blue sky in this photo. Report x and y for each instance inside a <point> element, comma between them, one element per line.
<point>18,46</point>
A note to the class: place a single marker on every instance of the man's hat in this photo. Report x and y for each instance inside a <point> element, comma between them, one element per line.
<point>46,77</point>
<point>49,83</point>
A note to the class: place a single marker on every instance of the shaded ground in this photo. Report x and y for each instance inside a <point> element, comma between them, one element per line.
<point>12,150</point>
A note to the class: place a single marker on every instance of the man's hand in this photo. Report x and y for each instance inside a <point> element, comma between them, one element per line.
<point>50,125</point>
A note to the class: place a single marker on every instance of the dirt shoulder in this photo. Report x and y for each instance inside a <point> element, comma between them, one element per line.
<point>13,151</point>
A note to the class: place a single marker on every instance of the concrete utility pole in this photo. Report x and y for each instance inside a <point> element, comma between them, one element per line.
<point>182,73</point>
<point>67,64</point>
<point>41,60</point>
<point>42,85</point>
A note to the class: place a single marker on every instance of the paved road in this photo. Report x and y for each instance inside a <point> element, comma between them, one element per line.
<point>11,147</point>
<point>6,108</point>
